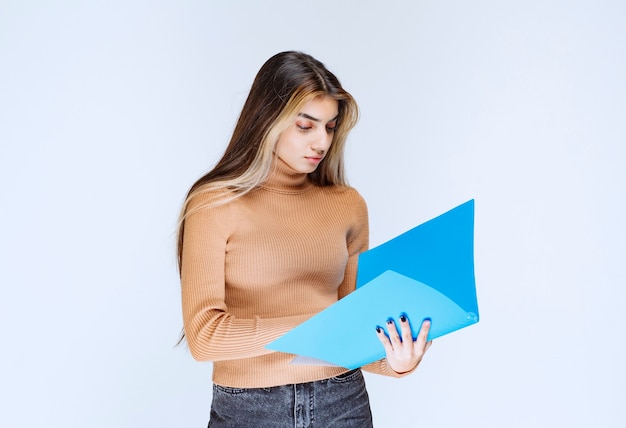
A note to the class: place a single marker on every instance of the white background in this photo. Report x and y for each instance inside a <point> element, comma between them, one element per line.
<point>109,110</point>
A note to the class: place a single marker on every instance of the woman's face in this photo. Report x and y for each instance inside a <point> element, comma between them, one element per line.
<point>305,143</point>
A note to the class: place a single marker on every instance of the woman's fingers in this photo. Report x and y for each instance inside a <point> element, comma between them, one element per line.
<point>403,353</point>
<point>384,340</point>
<point>406,335</point>
<point>405,327</point>
<point>422,336</point>
<point>394,336</point>
<point>422,344</point>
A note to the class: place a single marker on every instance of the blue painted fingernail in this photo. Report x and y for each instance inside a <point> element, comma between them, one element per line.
<point>389,321</point>
<point>403,318</point>
<point>378,329</point>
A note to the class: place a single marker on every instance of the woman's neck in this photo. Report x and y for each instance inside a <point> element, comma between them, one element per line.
<point>283,178</point>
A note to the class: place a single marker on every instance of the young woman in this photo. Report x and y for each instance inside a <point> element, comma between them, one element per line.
<point>270,237</point>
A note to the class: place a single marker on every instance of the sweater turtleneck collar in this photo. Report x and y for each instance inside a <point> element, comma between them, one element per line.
<point>282,178</point>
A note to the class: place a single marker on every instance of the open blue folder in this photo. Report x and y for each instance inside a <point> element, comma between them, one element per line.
<point>426,272</point>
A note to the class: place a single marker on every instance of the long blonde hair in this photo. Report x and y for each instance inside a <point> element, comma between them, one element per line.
<point>282,86</point>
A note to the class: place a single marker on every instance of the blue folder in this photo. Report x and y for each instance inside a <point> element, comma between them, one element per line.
<point>426,272</point>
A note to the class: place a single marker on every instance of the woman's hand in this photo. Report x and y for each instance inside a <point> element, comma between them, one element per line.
<point>404,353</point>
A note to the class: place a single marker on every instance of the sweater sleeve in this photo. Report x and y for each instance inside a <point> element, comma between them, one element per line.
<point>358,241</point>
<point>212,333</point>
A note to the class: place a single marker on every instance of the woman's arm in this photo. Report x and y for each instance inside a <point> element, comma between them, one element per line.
<point>212,332</point>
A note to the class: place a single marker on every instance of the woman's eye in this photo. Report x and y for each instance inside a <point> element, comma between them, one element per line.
<point>303,127</point>
<point>331,128</point>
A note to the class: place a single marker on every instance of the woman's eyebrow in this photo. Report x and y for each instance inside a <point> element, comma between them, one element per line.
<point>314,119</point>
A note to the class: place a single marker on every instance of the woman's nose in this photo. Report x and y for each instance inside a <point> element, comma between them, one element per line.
<point>322,142</point>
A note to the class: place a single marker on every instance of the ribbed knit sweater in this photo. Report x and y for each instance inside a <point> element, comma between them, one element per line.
<point>256,267</point>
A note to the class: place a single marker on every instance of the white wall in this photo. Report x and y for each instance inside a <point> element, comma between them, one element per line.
<point>110,110</point>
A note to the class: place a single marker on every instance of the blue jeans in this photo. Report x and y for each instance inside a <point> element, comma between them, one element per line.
<point>340,402</point>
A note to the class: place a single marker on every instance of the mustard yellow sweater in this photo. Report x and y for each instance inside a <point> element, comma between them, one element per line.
<point>256,267</point>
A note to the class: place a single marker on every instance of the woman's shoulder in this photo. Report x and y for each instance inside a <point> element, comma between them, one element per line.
<point>214,199</point>
<point>346,195</point>
<point>343,190</point>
